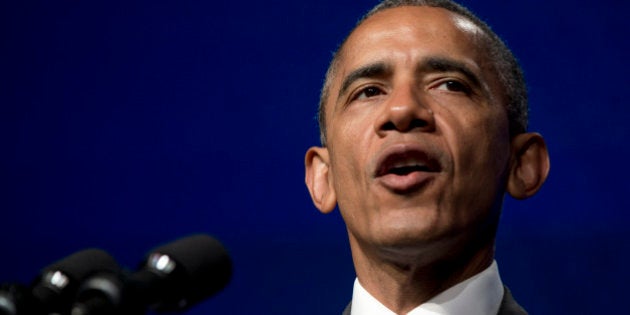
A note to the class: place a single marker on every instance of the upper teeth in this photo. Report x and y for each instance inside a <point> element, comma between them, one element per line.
<point>408,163</point>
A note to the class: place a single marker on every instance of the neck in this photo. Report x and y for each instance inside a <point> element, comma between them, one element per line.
<point>403,279</point>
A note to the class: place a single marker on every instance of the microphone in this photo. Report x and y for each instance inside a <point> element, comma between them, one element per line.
<point>14,298</point>
<point>172,278</point>
<point>54,290</point>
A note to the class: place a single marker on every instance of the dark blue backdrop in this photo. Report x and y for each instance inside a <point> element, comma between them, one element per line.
<point>125,124</point>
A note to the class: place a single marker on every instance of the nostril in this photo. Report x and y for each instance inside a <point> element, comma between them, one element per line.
<point>389,126</point>
<point>419,118</point>
<point>413,124</point>
<point>418,123</point>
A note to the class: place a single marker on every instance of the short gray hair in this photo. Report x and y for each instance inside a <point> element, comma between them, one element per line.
<point>505,64</point>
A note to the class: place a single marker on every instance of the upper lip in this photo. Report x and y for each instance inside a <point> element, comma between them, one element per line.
<point>405,158</point>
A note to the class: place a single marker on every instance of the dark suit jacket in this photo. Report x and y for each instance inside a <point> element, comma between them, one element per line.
<point>508,306</point>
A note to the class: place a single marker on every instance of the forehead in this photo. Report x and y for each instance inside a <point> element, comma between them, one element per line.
<point>412,31</point>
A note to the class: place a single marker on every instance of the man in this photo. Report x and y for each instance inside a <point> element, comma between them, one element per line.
<point>423,121</point>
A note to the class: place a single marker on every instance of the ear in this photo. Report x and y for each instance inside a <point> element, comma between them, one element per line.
<point>529,166</point>
<point>319,179</point>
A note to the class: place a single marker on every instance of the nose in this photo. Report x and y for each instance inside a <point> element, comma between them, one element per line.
<point>404,111</point>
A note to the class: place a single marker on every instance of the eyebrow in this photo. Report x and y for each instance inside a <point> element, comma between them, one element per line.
<point>374,70</point>
<point>429,64</point>
<point>441,64</point>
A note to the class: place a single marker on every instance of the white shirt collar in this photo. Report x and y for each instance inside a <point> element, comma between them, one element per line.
<point>479,295</point>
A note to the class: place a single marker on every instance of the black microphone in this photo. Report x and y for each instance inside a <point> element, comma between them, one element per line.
<point>15,299</point>
<point>172,278</point>
<point>53,291</point>
<point>58,283</point>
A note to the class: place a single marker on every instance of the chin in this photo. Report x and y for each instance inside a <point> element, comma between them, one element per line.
<point>416,238</point>
<point>409,234</point>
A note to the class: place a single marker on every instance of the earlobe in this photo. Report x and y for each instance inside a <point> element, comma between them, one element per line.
<point>318,179</point>
<point>529,166</point>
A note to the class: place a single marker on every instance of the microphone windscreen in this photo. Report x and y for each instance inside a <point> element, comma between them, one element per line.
<point>82,264</point>
<point>58,283</point>
<point>204,267</point>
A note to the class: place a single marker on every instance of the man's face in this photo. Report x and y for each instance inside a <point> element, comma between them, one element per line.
<point>418,139</point>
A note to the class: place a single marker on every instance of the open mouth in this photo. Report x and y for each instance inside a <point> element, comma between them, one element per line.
<point>405,169</point>
<point>405,163</point>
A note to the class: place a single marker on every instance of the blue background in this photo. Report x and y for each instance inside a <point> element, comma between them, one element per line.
<point>126,124</point>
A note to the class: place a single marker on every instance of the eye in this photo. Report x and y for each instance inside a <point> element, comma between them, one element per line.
<point>454,86</point>
<point>368,92</point>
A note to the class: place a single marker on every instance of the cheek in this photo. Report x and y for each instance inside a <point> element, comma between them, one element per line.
<point>349,144</point>
<point>351,139</point>
<point>479,150</point>
<point>346,158</point>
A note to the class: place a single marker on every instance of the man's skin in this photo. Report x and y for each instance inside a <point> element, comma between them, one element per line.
<point>419,154</point>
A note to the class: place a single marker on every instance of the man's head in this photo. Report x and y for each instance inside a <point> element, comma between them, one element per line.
<point>420,146</point>
<point>504,62</point>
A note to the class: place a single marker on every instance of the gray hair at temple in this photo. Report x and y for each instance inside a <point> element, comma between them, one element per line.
<point>505,64</point>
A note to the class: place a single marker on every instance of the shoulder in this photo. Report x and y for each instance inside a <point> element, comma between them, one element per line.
<point>348,309</point>
<point>509,306</point>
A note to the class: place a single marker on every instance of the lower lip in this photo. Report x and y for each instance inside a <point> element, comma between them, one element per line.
<point>405,183</point>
